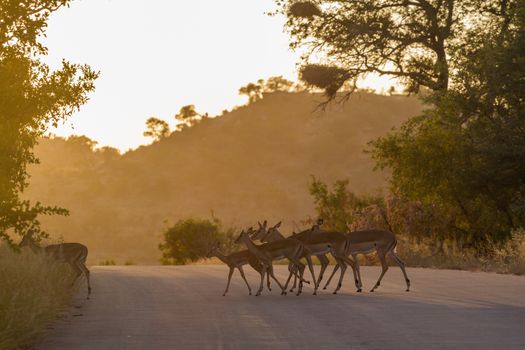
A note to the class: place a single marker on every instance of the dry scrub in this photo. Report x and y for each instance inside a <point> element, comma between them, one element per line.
<point>509,258</point>
<point>33,291</point>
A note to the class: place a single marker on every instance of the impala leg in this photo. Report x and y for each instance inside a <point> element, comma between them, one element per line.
<point>75,264</point>
<point>268,283</point>
<point>244,278</point>
<point>342,265</point>
<point>288,280</point>
<point>229,280</point>
<point>290,268</point>
<point>301,268</point>
<point>294,283</point>
<point>295,273</point>
<point>331,276</point>
<point>324,264</point>
<point>311,268</point>
<point>384,267</point>
<point>270,271</point>
<point>360,289</point>
<point>261,286</point>
<point>352,264</point>
<point>82,267</point>
<point>402,266</point>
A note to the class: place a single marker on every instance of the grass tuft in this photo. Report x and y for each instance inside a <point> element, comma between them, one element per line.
<point>34,289</point>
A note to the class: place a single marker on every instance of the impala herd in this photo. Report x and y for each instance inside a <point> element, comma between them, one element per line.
<point>343,247</point>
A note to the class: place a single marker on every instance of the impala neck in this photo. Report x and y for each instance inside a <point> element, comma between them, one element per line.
<point>250,245</point>
<point>273,236</point>
<point>221,256</point>
<point>32,245</point>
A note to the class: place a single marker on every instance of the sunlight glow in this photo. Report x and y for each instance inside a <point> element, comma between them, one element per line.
<point>156,56</point>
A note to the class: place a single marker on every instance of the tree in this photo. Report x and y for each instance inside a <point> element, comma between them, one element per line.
<point>275,84</point>
<point>253,91</point>
<point>187,116</point>
<point>156,129</point>
<point>465,154</point>
<point>32,97</point>
<point>416,41</point>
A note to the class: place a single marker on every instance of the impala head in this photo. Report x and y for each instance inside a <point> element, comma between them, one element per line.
<point>213,250</point>
<point>244,234</point>
<point>317,225</point>
<point>27,240</point>
<point>260,232</point>
<point>272,230</point>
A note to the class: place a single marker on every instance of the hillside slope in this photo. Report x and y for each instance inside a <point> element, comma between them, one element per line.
<point>250,164</point>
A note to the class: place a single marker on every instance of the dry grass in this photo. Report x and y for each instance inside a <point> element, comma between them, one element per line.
<point>509,259</point>
<point>33,291</point>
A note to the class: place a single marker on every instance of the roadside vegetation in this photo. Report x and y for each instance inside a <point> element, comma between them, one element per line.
<point>423,232</point>
<point>35,289</point>
<point>190,240</point>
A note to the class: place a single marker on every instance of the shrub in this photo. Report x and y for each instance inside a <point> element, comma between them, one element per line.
<point>189,240</point>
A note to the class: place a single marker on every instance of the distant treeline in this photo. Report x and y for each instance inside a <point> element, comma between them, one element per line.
<point>251,163</point>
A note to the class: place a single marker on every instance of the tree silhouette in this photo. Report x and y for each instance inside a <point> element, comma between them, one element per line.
<point>415,41</point>
<point>156,129</point>
<point>187,117</point>
<point>253,91</point>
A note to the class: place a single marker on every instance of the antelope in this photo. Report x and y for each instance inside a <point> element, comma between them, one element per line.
<point>291,249</point>
<point>237,261</point>
<point>273,234</point>
<point>318,243</point>
<point>382,242</point>
<point>75,254</point>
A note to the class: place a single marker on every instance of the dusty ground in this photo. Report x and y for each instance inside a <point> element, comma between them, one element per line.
<point>164,307</point>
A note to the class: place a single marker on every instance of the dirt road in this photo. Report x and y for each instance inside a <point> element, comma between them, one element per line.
<point>163,307</point>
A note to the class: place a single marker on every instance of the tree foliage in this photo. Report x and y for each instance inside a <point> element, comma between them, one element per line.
<point>157,129</point>
<point>338,207</point>
<point>191,239</point>
<point>255,91</point>
<point>187,116</point>
<point>467,153</point>
<point>32,97</point>
<point>464,156</point>
<point>416,41</point>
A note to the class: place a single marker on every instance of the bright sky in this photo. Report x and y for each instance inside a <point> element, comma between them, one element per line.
<point>157,55</point>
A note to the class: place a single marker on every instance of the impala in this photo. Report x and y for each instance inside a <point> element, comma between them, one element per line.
<point>75,254</point>
<point>236,261</point>
<point>291,249</point>
<point>367,241</point>
<point>317,243</point>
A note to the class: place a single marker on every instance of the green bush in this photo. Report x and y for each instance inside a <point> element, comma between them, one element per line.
<point>189,240</point>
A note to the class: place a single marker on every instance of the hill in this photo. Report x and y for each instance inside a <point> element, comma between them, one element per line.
<point>249,164</point>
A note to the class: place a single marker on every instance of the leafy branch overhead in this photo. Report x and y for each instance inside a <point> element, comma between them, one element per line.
<point>415,41</point>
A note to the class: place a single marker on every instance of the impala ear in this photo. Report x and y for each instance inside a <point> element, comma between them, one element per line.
<point>259,223</point>
<point>278,224</point>
<point>265,223</point>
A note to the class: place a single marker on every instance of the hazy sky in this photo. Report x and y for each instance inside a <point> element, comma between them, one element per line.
<point>157,55</point>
